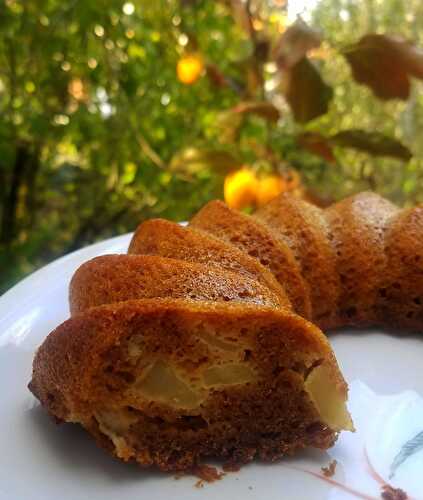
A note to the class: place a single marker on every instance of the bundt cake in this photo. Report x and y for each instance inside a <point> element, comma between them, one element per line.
<point>197,344</point>
<point>168,382</point>
<point>304,229</point>
<point>168,239</point>
<point>254,239</point>
<point>357,228</point>
<point>400,293</point>
<point>116,278</point>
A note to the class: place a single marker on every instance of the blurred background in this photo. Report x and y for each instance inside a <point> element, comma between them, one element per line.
<point>114,111</point>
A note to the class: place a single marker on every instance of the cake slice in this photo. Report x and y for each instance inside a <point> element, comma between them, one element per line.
<point>258,241</point>
<point>168,239</point>
<point>116,278</point>
<point>400,294</point>
<point>170,383</point>
<point>357,228</point>
<point>304,229</point>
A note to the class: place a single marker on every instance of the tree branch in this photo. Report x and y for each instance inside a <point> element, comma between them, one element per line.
<point>149,151</point>
<point>146,148</point>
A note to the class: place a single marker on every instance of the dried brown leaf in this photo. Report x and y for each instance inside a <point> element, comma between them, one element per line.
<point>261,108</point>
<point>306,92</point>
<point>318,145</point>
<point>385,63</point>
<point>374,143</point>
<point>294,44</point>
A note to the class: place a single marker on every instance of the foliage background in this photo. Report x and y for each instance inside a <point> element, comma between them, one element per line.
<point>97,132</point>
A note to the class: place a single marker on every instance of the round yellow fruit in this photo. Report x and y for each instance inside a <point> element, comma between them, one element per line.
<point>240,188</point>
<point>189,68</point>
<point>269,187</point>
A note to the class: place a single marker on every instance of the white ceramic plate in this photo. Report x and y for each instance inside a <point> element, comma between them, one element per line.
<point>42,461</point>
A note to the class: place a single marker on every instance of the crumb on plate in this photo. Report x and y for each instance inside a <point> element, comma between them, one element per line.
<point>390,493</point>
<point>329,471</point>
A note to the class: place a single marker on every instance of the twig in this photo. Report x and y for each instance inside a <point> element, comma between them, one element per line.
<point>149,151</point>
<point>253,33</point>
<point>145,146</point>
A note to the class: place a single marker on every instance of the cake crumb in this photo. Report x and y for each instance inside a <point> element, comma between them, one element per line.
<point>207,474</point>
<point>199,483</point>
<point>329,471</point>
<point>390,493</point>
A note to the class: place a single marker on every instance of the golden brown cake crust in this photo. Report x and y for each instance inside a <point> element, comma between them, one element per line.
<point>257,241</point>
<point>304,229</point>
<point>85,372</point>
<point>168,239</point>
<point>116,278</point>
<point>400,292</point>
<point>357,228</point>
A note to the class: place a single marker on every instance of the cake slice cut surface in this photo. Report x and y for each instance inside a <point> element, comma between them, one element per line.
<point>170,383</point>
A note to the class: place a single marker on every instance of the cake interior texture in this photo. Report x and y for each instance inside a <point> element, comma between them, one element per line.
<point>172,384</point>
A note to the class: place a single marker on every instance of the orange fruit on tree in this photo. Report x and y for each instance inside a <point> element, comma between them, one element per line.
<point>241,188</point>
<point>269,187</point>
<point>189,68</point>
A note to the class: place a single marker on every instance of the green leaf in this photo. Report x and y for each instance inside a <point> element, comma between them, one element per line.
<point>374,143</point>
<point>385,63</point>
<point>263,109</point>
<point>136,51</point>
<point>129,173</point>
<point>306,92</point>
<point>227,125</point>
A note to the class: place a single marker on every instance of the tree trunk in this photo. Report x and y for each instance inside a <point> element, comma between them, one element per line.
<point>3,181</point>
<point>8,223</point>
